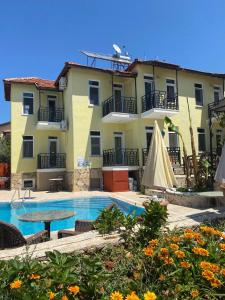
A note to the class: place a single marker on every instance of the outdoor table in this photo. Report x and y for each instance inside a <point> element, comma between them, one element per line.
<point>57,183</point>
<point>47,217</point>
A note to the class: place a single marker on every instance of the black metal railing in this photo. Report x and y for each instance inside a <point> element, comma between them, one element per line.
<point>174,154</point>
<point>159,99</point>
<point>120,157</point>
<point>48,161</point>
<point>50,115</point>
<point>122,105</point>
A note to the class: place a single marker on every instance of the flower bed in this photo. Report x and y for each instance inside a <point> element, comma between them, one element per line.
<point>180,264</point>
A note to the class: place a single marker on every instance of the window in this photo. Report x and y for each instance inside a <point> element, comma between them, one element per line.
<point>28,103</point>
<point>149,131</point>
<point>94,92</point>
<point>170,89</point>
<point>219,138</point>
<point>198,94</point>
<point>173,139</point>
<point>216,94</point>
<point>95,143</point>
<point>201,140</point>
<point>27,146</point>
<point>28,183</point>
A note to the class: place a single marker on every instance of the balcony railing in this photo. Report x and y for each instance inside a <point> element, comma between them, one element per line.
<point>159,99</point>
<point>48,115</point>
<point>174,154</point>
<point>123,105</point>
<point>49,161</point>
<point>120,157</point>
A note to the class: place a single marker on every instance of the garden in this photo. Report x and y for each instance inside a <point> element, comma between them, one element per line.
<point>150,262</point>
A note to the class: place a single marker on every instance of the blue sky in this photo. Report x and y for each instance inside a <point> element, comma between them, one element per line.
<point>37,37</point>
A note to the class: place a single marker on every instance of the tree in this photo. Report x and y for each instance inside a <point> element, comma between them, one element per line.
<point>5,149</point>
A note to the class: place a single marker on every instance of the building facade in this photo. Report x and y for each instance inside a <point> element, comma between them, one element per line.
<point>93,126</point>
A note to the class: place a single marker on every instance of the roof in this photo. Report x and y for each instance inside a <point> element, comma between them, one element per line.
<point>71,64</point>
<point>163,64</point>
<point>38,82</point>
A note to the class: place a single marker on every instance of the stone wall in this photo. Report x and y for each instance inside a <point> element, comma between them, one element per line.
<point>17,179</point>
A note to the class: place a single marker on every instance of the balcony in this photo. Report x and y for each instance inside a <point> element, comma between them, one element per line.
<point>174,154</point>
<point>51,119</point>
<point>157,105</point>
<point>121,157</point>
<point>51,161</point>
<point>120,110</point>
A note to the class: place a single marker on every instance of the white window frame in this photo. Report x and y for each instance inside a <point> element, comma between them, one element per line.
<point>149,80</point>
<point>148,130</point>
<point>201,133</point>
<point>22,113</point>
<point>100,138</point>
<point>33,147</point>
<point>29,179</point>
<point>198,105</point>
<point>89,94</point>
<point>119,134</point>
<point>220,91</point>
<point>52,98</point>
<point>173,132</point>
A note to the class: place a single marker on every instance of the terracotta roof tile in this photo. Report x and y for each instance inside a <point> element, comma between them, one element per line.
<point>39,82</point>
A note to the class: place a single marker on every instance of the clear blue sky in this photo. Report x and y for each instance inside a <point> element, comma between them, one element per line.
<point>37,37</point>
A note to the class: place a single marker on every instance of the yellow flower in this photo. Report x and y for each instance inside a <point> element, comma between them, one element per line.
<point>208,275</point>
<point>185,264</point>
<point>74,289</point>
<point>209,266</point>
<point>116,296</point>
<point>148,251</point>
<point>222,246</point>
<point>35,276</point>
<point>153,243</point>
<point>211,230</point>
<point>194,293</point>
<point>16,284</point>
<point>174,247</point>
<point>132,296</point>
<point>51,295</point>
<point>189,235</point>
<point>180,254</point>
<point>215,282</point>
<point>150,296</point>
<point>64,297</point>
<point>200,251</point>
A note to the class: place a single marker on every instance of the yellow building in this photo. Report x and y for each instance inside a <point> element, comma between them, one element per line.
<point>92,123</point>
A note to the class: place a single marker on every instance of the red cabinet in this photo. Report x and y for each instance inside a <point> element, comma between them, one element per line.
<point>115,181</point>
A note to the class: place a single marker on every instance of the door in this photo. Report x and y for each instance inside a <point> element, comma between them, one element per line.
<point>53,145</point>
<point>52,109</point>
<point>170,92</point>
<point>149,96</point>
<point>118,97</point>
<point>119,157</point>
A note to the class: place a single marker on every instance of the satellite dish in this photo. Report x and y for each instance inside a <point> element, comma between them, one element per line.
<point>117,49</point>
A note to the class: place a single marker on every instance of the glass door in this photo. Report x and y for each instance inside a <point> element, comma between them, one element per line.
<point>118,97</point>
<point>53,149</point>
<point>118,139</point>
<point>149,96</point>
<point>52,108</point>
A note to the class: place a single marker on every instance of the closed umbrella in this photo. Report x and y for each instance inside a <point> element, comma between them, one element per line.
<point>158,171</point>
<point>220,172</point>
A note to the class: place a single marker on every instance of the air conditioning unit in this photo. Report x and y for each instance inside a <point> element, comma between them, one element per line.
<point>62,83</point>
<point>63,125</point>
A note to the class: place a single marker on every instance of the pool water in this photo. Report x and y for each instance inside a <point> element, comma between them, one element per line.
<point>85,209</point>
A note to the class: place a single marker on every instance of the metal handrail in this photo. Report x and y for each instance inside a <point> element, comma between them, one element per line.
<point>123,105</point>
<point>48,115</point>
<point>121,157</point>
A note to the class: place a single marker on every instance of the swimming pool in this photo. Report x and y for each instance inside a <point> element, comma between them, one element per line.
<point>85,209</point>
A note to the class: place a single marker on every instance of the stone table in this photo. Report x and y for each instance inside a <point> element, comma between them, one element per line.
<point>47,217</point>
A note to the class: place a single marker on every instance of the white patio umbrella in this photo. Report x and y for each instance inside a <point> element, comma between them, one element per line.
<point>220,171</point>
<point>158,171</point>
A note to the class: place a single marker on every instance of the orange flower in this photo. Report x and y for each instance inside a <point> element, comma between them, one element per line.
<point>188,230</point>
<point>208,275</point>
<point>175,239</point>
<point>200,251</point>
<point>222,272</point>
<point>116,296</point>
<point>180,254</point>
<point>162,277</point>
<point>201,242</point>
<point>132,296</point>
<point>164,251</point>
<point>73,289</point>
<point>64,297</point>
<point>153,243</point>
<point>168,260</point>
<point>185,264</point>
<point>215,282</point>
<point>150,296</point>
<point>35,276</point>
<point>174,247</point>
<point>51,295</point>
<point>16,284</point>
<point>222,246</point>
<point>211,230</point>
<point>194,293</point>
<point>148,251</point>
<point>189,235</point>
<point>209,266</point>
